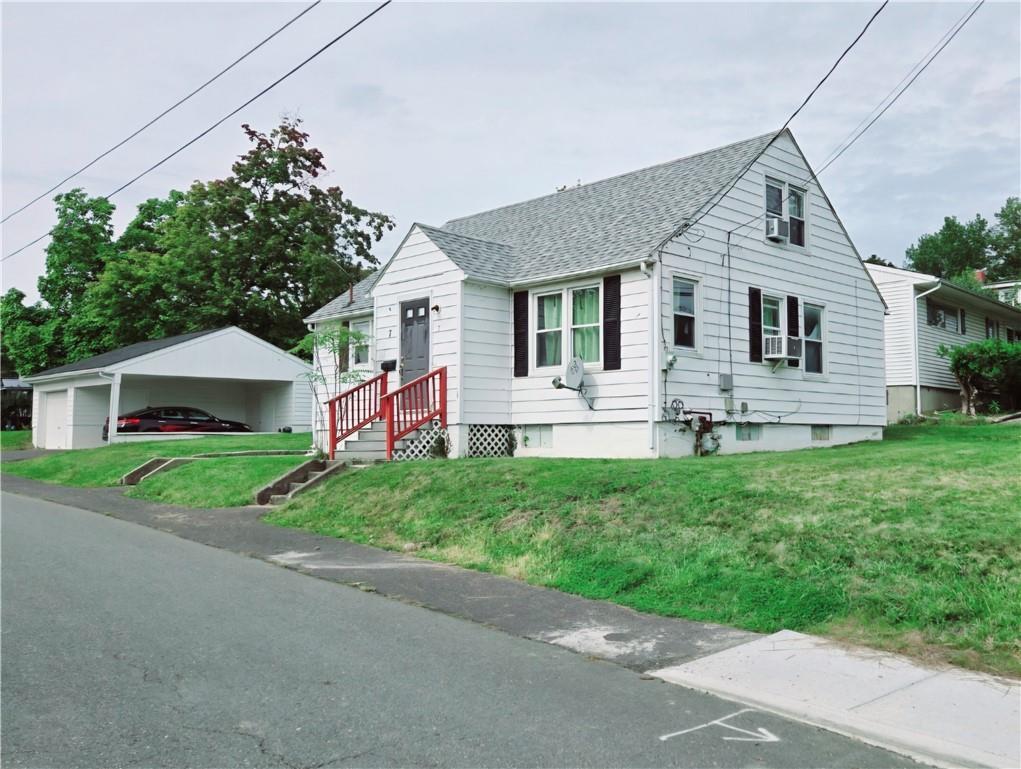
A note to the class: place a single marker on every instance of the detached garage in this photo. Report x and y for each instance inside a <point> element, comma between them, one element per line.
<point>227,372</point>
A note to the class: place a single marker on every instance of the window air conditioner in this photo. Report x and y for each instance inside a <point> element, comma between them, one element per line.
<point>777,229</point>
<point>781,348</point>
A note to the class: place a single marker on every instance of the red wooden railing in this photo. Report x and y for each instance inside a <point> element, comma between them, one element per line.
<point>352,410</point>
<point>413,405</point>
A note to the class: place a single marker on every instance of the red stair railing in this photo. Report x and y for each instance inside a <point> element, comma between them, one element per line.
<point>352,410</point>
<point>413,405</point>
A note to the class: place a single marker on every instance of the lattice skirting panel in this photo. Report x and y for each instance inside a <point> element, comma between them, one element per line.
<point>490,441</point>
<point>431,442</point>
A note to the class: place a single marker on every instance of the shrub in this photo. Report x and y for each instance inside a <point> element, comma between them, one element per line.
<point>985,368</point>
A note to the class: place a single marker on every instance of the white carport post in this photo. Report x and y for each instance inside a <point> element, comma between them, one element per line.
<point>115,407</point>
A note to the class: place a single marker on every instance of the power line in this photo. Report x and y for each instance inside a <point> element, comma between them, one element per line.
<point>722,192</point>
<point>228,116</point>
<point>848,141</point>
<point>164,113</point>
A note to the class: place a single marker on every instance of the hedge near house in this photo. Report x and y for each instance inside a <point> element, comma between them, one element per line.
<point>989,370</point>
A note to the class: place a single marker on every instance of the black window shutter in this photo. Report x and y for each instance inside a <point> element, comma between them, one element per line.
<point>520,333</point>
<point>964,330</point>
<point>793,325</point>
<point>755,325</point>
<point>611,323</point>
<point>930,312</point>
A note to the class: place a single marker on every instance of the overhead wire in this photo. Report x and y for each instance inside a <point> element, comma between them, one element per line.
<point>226,117</point>
<point>164,113</point>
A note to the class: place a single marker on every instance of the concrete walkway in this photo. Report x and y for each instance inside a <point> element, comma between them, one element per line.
<point>948,717</point>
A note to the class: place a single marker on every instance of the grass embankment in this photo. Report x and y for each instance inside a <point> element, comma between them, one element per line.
<point>105,465</point>
<point>912,544</point>
<point>226,482</point>
<point>15,440</point>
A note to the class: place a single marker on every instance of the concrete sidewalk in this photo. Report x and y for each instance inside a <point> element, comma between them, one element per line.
<point>948,717</point>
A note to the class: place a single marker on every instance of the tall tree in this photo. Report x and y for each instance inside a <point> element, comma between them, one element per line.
<point>260,249</point>
<point>30,335</point>
<point>954,249</point>
<point>1006,242</point>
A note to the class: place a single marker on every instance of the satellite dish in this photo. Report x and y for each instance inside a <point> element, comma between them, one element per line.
<point>574,374</point>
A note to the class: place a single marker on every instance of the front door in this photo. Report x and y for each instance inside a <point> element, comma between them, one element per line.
<point>414,339</point>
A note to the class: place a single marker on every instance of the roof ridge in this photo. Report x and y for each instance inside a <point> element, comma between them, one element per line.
<point>461,235</point>
<point>615,176</point>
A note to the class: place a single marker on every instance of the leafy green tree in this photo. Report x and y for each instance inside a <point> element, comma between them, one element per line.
<point>260,249</point>
<point>1006,242</point>
<point>955,249</point>
<point>142,232</point>
<point>30,338</point>
<point>81,244</point>
<point>874,259</point>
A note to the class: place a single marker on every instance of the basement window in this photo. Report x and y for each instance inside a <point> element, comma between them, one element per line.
<point>821,432</point>
<point>749,432</point>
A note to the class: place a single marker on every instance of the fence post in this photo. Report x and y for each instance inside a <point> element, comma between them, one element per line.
<point>333,428</point>
<point>388,409</point>
<point>443,396</point>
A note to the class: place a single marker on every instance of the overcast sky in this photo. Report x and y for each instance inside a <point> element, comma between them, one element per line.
<point>432,111</point>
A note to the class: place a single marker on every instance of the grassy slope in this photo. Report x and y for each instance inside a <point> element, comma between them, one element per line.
<point>15,440</point>
<point>214,482</point>
<point>913,544</point>
<point>104,466</point>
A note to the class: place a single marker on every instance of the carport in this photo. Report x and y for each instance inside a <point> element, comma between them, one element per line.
<point>227,372</point>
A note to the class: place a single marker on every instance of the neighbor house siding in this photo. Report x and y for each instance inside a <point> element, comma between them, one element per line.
<point>851,389</point>
<point>618,396</point>
<point>418,270</point>
<point>898,325</point>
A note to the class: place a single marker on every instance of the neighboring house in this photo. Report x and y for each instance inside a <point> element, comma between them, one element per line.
<point>226,371</point>
<point>1007,291</point>
<point>15,404</point>
<point>780,342</point>
<point>925,312</point>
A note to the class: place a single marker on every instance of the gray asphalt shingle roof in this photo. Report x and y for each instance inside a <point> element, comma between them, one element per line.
<point>122,354</point>
<point>345,305</point>
<point>603,224</point>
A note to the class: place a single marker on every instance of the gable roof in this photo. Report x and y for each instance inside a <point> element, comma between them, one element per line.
<point>610,222</point>
<point>603,224</point>
<point>345,304</point>
<point>122,354</point>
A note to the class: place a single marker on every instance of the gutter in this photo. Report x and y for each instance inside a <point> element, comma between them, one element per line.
<point>42,379</point>
<point>654,346</point>
<point>914,324</point>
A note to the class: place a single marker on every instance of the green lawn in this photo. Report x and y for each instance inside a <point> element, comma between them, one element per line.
<point>226,482</point>
<point>105,465</point>
<point>912,544</point>
<point>15,440</point>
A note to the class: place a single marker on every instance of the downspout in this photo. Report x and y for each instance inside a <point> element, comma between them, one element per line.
<point>914,320</point>
<point>654,320</point>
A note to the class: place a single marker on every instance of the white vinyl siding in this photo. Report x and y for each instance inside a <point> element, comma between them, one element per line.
<point>826,273</point>
<point>898,324</point>
<point>420,270</point>
<point>488,347</point>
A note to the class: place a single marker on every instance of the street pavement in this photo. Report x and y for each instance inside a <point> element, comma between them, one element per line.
<point>127,646</point>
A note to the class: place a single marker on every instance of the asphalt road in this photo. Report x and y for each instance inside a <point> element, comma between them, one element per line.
<point>127,646</point>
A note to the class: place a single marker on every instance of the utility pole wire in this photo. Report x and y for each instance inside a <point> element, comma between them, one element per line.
<point>841,147</point>
<point>163,114</point>
<point>722,192</point>
<point>228,116</point>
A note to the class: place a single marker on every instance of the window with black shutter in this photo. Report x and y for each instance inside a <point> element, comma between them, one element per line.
<point>755,325</point>
<point>520,333</point>
<point>611,322</point>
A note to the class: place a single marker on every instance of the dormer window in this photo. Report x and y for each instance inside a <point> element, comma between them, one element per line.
<point>787,203</point>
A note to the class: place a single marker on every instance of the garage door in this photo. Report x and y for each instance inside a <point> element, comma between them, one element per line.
<point>55,420</point>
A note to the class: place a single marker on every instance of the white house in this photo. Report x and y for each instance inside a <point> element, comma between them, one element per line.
<point>777,335</point>
<point>924,313</point>
<point>226,371</point>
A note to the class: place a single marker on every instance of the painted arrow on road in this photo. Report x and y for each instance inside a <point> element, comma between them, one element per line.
<point>759,735</point>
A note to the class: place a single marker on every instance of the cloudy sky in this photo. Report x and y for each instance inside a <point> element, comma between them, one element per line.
<point>432,111</point>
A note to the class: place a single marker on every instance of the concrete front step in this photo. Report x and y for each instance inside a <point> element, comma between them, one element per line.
<point>299,479</point>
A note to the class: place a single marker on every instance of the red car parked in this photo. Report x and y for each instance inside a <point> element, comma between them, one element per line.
<point>174,419</point>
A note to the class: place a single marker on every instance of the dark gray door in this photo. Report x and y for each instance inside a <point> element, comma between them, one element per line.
<point>414,339</point>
